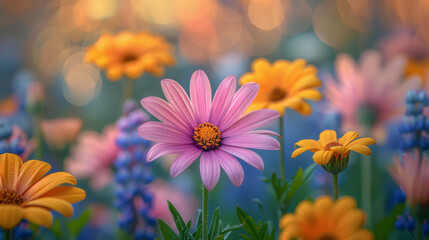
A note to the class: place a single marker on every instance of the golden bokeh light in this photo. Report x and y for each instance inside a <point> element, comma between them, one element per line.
<point>266,14</point>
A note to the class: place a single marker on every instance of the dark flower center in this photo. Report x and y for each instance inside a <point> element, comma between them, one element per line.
<point>327,236</point>
<point>129,57</point>
<point>207,136</point>
<point>10,197</point>
<point>277,94</point>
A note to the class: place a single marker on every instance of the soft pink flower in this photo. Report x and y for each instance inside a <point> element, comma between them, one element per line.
<point>23,141</point>
<point>370,93</point>
<point>93,156</point>
<point>215,130</point>
<point>412,175</point>
<point>61,132</point>
<point>35,93</point>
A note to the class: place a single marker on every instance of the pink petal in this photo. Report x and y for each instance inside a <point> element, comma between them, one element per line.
<point>179,100</point>
<point>250,121</point>
<point>222,99</point>
<point>160,132</point>
<point>209,169</point>
<point>264,132</point>
<point>201,95</point>
<point>241,101</point>
<point>161,149</point>
<point>246,155</point>
<point>183,161</point>
<point>101,179</point>
<point>231,166</point>
<point>160,109</point>
<point>255,141</point>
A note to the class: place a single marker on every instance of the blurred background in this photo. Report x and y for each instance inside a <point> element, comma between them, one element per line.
<point>46,40</point>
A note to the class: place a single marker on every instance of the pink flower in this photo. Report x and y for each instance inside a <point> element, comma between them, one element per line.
<point>368,94</point>
<point>93,156</point>
<point>412,176</point>
<point>61,132</point>
<point>215,131</point>
<point>28,145</point>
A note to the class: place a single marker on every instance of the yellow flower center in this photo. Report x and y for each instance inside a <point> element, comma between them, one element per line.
<point>129,57</point>
<point>327,236</point>
<point>277,94</point>
<point>332,144</point>
<point>207,136</point>
<point>10,197</point>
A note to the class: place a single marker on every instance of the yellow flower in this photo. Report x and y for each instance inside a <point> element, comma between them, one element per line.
<point>325,219</point>
<point>330,150</point>
<point>131,54</point>
<point>26,193</point>
<point>283,85</point>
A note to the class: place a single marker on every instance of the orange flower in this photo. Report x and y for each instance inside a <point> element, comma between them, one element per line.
<point>26,193</point>
<point>131,54</point>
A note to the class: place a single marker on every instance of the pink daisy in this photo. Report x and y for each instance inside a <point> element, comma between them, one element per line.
<point>370,93</point>
<point>215,131</point>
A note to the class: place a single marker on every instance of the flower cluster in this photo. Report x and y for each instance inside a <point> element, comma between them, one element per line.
<point>133,176</point>
<point>8,142</point>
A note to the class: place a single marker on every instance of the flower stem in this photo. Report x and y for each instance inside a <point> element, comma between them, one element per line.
<point>205,212</point>
<point>39,137</point>
<point>366,188</point>
<point>419,229</point>
<point>282,150</point>
<point>7,234</point>
<point>335,185</point>
<point>129,85</point>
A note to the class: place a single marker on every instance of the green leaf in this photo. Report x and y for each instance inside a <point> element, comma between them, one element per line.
<point>75,226</point>
<point>231,228</point>
<point>308,171</point>
<point>386,225</point>
<point>214,225</point>
<point>166,231</point>
<point>249,224</point>
<point>56,228</point>
<point>178,220</point>
<point>260,205</point>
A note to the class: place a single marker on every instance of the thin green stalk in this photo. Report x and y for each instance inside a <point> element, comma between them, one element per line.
<point>129,86</point>
<point>419,229</point>
<point>366,188</point>
<point>282,150</point>
<point>7,234</point>
<point>335,185</point>
<point>205,212</point>
<point>39,138</point>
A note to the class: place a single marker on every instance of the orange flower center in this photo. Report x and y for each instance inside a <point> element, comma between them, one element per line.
<point>10,197</point>
<point>207,136</point>
<point>327,236</point>
<point>129,57</point>
<point>332,144</point>
<point>277,94</point>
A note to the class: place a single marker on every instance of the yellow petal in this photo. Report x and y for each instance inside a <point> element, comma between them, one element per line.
<point>10,215</point>
<point>362,234</point>
<point>39,216</point>
<point>67,193</point>
<point>348,137</point>
<point>286,220</point>
<point>312,94</point>
<point>56,204</point>
<point>304,109</point>
<point>10,165</point>
<point>47,183</point>
<point>327,136</point>
<point>350,223</point>
<point>310,143</point>
<point>114,73</point>
<point>360,149</point>
<point>342,206</point>
<point>323,207</point>
<point>298,151</point>
<point>362,141</point>
<point>322,157</point>
<point>31,172</point>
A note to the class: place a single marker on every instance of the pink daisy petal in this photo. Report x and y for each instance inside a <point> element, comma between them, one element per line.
<point>264,132</point>
<point>231,167</point>
<point>242,100</point>
<point>222,99</point>
<point>201,95</point>
<point>161,149</point>
<point>249,156</point>
<point>255,141</point>
<point>250,121</point>
<point>160,132</point>
<point>160,109</point>
<point>183,161</point>
<point>179,100</point>
<point>209,169</point>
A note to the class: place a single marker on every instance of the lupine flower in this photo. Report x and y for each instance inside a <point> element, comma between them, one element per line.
<point>93,156</point>
<point>332,153</point>
<point>25,192</point>
<point>412,176</point>
<point>14,140</point>
<point>284,85</point>
<point>61,132</point>
<point>215,131</point>
<point>325,219</point>
<point>131,54</point>
<point>369,94</point>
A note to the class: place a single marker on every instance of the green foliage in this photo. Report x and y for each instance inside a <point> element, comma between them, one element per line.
<point>285,191</point>
<point>70,227</point>
<point>216,231</point>
<point>255,231</point>
<point>76,225</point>
<point>386,225</point>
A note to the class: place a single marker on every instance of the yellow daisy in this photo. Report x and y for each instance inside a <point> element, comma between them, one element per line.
<point>283,85</point>
<point>131,54</point>
<point>325,219</point>
<point>329,149</point>
<point>26,193</point>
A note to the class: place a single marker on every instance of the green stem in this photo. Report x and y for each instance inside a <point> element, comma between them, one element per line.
<point>419,229</point>
<point>282,150</point>
<point>129,86</point>
<point>39,138</point>
<point>366,188</point>
<point>335,185</point>
<point>7,234</point>
<point>205,212</point>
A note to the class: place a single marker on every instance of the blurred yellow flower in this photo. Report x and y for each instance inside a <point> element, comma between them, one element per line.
<point>283,85</point>
<point>325,219</point>
<point>26,193</point>
<point>329,149</point>
<point>131,54</point>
